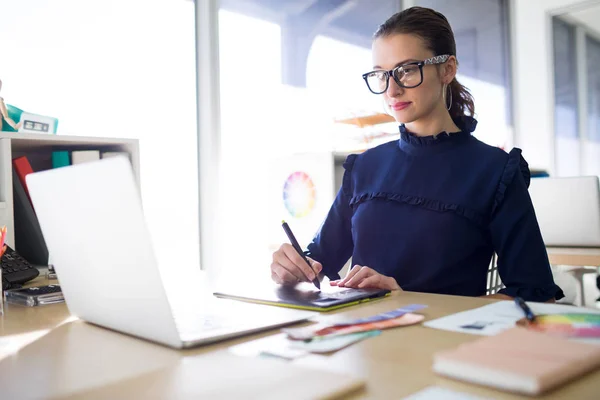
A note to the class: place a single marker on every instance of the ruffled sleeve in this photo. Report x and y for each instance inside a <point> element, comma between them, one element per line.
<point>332,246</point>
<point>522,259</point>
<point>516,163</point>
<point>347,179</point>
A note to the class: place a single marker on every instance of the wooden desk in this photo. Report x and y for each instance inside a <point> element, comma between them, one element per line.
<point>19,319</point>
<point>574,256</point>
<point>79,360</point>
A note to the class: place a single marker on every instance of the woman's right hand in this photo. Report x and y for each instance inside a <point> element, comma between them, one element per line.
<point>289,268</point>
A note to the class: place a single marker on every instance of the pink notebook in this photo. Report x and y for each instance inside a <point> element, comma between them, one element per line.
<point>519,360</point>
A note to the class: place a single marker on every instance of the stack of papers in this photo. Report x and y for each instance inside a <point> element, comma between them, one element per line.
<point>327,337</point>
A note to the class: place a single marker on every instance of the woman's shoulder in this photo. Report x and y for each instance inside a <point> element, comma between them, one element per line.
<point>373,155</point>
<point>488,152</point>
<point>489,158</point>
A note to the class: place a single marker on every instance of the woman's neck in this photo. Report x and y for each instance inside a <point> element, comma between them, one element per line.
<point>437,121</point>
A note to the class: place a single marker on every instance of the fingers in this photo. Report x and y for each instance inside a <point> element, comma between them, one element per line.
<point>353,271</point>
<point>317,266</point>
<point>282,276</point>
<point>379,281</point>
<point>299,263</point>
<point>364,277</point>
<point>359,276</point>
<point>275,277</point>
<point>285,263</point>
<point>372,282</point>
<point>289,267</point>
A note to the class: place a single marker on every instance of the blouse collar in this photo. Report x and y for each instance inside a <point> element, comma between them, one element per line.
<point>412,143</point>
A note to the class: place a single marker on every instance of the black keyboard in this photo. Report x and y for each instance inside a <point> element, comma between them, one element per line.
<point>16,269</point>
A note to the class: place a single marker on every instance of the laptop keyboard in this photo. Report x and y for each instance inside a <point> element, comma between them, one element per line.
<point>227,317</point>
<point>201,325</point>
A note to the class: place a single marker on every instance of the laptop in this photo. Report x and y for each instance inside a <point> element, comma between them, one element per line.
<point>567,210</point>
<point>92,219</point>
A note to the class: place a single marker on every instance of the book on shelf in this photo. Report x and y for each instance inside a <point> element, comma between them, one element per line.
<point>82,156</point>
<point>61,159</point>
<point>108,154</point>
<point>22,167</point>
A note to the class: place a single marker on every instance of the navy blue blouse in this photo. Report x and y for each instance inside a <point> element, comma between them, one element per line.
<point>431,211</point>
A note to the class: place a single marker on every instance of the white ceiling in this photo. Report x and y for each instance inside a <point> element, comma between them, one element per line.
<point>589,17</point>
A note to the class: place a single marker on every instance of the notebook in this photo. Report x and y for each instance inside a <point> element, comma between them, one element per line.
<point>303,296</point>
<point>29,240</point>
<point>519,360</point>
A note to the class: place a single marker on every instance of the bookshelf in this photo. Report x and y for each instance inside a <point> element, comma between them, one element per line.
<point>38,148</point>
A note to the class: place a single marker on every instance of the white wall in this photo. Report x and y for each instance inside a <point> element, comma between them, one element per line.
<point>532,75</point>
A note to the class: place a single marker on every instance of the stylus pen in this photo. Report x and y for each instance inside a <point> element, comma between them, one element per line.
<point>526,310</point>
<point>296,246</point>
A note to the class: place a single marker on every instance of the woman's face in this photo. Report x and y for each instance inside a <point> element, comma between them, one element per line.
<point>408,105</point>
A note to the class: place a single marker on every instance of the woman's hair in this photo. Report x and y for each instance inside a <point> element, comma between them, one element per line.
<point>435,31</point>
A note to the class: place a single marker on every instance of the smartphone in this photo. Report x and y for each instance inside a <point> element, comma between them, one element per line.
<point>35,296</point>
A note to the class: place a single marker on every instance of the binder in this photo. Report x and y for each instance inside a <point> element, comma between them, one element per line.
<point>23,168</point>
<point>29,240</point>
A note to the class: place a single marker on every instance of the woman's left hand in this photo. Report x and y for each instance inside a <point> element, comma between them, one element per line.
<point>366,278</point>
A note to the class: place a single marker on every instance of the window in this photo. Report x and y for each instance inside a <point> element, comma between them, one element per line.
<point>593,86</point>
<point>592,148</point>
<point>83,63</point>
<point>577,97</point>
<point>566,125</point>
<point>481,34</point>
<point>289,69</point>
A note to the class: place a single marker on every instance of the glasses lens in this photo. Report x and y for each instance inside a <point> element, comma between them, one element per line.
<point>408,75</point>
<point>377,81</point>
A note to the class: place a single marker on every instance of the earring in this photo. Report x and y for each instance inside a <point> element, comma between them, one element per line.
<point>449,106</point>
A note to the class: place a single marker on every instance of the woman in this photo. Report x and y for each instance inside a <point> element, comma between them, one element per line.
<point>426,213</point>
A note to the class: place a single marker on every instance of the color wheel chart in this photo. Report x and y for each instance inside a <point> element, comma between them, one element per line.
<point>570,325</point>
<point>299,194</point>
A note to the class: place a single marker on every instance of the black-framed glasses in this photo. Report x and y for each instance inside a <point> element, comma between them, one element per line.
<point>409,75</point>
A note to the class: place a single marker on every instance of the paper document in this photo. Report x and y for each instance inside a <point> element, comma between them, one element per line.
<point>499,316</point>
<point>328,344</point>
<point>270,346</point>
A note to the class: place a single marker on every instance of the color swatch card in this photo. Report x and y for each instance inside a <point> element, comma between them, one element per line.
<point>404,320</point>
<point>320,330</point>
<point>386,315</point>
<point>326,326</point>
<point>567,325</point>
